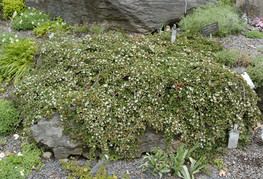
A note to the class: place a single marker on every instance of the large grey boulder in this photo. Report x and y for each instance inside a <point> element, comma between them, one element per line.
<point>251,7</point>
<point>152,139</point>
<point>259,92</point>
<point>50,134</point>
<point>134,15</point>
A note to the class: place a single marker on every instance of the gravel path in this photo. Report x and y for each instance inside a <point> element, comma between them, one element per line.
<point>241,163</point>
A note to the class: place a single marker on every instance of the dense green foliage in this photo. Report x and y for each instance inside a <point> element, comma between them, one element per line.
<point>91,29</point>
<point>159,162</point>
<point>226,16</point>
<point>255,71</point>
<point>47,27</point>
<point>9,117</point>
<point>110,87</point>
<point>227,57</point>
<point>83,172</point>
<point>17,57</point>
<point>7,38</point>
<point>254,34</point>
<point>20,165</point>
<point>11,6</point>
<point>229,2</point>
<point>29,20</point>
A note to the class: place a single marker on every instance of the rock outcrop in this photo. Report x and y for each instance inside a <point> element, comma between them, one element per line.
<point>152,139</point>
<point>50,134</point>
<point>259,91</point>
<point>142,16</point>
<point>251,7</point>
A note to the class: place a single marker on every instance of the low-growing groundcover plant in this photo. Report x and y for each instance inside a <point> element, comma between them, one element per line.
<point>7,38</point>
<point>29,19</point>
<point>19,165</point>
<point>229,2</point>
<point>110,87</point>
<point>159,162</point>
<point>17,58</point>
<point>44,29</point>
<point>227,57</point>
<point>9,117</point>
<point>255,72</point>
<point>226,16</point>
<point>254,34</point>
<point>9,7</point>
<point>257,22</point>
<point>84,171</point>
<point>40,22</point>
<point>232,58</point>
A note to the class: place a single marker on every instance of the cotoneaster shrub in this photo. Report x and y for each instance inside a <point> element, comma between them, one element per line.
<point>226,16</point>
<point>110,87</point>
<point>9,117</point>
<point>11,6</point>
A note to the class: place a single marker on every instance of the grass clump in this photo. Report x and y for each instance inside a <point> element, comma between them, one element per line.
<point>254,34</point>
<point>229,2</point>
<point>9,117</point>
<point>232,58</point>
<point>9,7</point>
<point>29,19</point>
<point>227,57</point>
<point>17,58</point>
<point>226,16</point>
<point>19,165</point>
<point>85,28</point>
<point>255,72</point>
<point>121,85</point>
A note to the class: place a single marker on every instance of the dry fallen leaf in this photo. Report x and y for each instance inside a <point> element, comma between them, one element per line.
<point>258,126</point>
<point>222,173</point>
<point>7,153</point>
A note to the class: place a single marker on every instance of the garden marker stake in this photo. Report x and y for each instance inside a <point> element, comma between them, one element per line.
<point>233,138</point>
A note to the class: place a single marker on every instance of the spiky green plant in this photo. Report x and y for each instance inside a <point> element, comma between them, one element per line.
<point>17,58</point>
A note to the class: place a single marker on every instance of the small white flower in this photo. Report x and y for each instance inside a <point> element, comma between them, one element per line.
<point>19,154</point>
<point>16,136</point>
<point>22,173</point>
<point>2,155</point>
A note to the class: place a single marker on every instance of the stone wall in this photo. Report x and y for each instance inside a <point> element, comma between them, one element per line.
<point>134,15</point>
